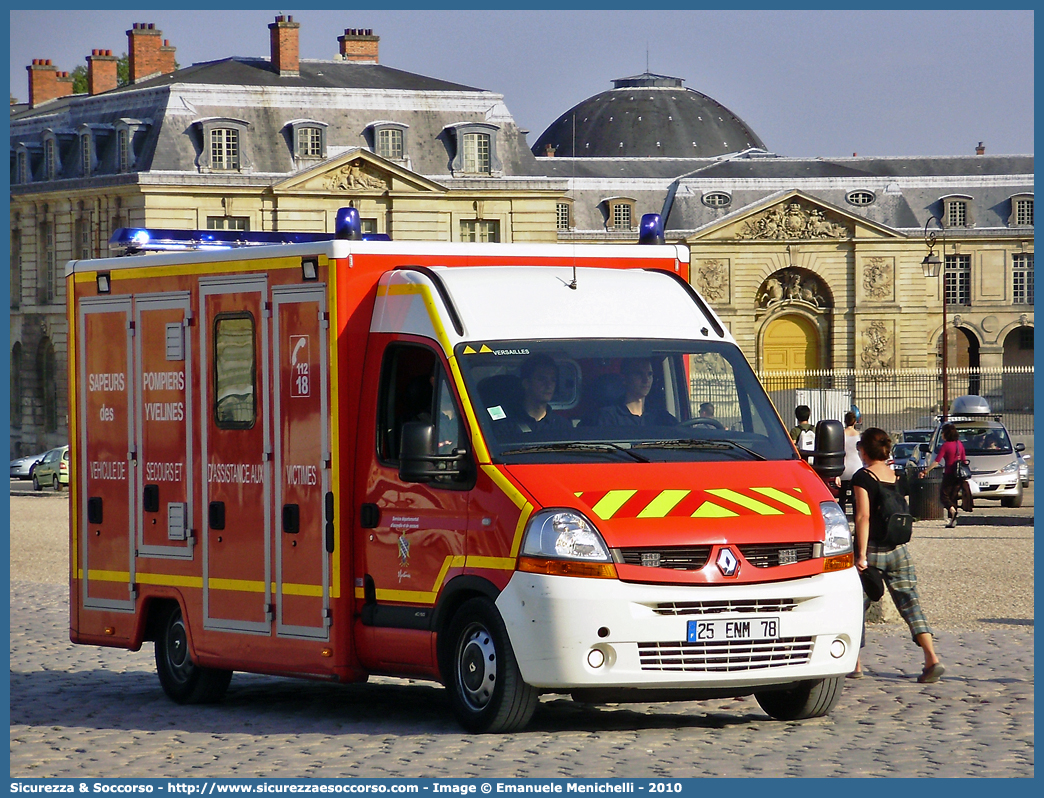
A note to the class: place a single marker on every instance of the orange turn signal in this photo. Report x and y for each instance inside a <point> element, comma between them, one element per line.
<point>838,563</point>
<point>595,570</point>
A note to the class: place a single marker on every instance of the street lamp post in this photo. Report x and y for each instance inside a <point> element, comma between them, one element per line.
<point>933,266</point>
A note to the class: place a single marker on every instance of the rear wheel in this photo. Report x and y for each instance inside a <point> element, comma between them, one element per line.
<point>811,699</point>
<point>182,680</point>
<point>486,690</point>
<point>55,483</point>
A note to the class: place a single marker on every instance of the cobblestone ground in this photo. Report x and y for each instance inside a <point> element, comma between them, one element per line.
<point>81,711</point>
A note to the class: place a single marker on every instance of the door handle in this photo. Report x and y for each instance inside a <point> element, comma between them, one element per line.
<point>291,518</point>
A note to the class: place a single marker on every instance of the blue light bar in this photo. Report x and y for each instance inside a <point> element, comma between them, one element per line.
<point>651,229</point>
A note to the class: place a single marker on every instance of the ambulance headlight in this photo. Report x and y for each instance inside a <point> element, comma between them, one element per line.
<point>563,534</point>
<point>838,537</point>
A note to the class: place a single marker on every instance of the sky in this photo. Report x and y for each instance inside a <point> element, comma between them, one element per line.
<point>810,83</point>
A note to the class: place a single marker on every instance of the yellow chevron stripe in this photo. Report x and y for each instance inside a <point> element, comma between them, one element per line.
<point>744,501</point>
<point>505,485</point>
<point>712,510</point>
<point>520,527</point>
<point>495,563</point>
<point>663,504</point>
<point>785,498</point>
<point>612,501</point>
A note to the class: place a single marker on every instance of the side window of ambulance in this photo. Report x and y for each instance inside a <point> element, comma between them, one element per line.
<point>235,375</point>
<point>407,388</point>
<point>448,430</point>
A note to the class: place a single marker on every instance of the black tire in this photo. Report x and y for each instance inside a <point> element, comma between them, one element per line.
<point>1013,501</point>
<point>486,690</point>
<point>36,483</point>
<point>55,483</point>
<point>183,681</point>
<point>811,699</point>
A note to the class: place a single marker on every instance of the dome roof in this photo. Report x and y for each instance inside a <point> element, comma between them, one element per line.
<point>648,116</point>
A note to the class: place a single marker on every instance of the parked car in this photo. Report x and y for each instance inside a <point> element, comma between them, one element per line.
<point>917,435</point>
<point>903,454</point>
<point>23,467</point>
<point>1023,467</point>
<point>995,462</point>
<point>53,469</point>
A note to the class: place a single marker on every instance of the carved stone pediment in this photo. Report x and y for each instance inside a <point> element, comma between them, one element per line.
<point>791,286</point>
<point>356,176</point>
<point>794,220</point>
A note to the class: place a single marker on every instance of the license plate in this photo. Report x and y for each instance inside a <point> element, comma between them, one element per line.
<point>757,628</point>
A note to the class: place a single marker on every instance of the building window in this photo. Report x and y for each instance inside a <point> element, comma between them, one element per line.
<point>16,269</point>
<point>46,375</point>
<point>562,216</point>
<point>23,166</point>
<point>1024,212</point>
<point>368,227</point>
<point>228,223</point>
<point>48,276</point>
<point>235,375</point>
<point>861,198</point>
<point>958,279</point>
<point>310,142</point>
<point>50,159</point>
<point>476,153</point>
<point>1022,279</point>
<point>389,143</point>
<point>82,239</point>
<point>16,386</point>
<point>957,213</point>
<point>224,148</point>
<point>484,231</point>
<point>85,155</point>
<point>717,199</point>
<point>123,139</point>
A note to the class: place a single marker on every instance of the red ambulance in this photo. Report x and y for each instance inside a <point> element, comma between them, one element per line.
<point>480,464</point>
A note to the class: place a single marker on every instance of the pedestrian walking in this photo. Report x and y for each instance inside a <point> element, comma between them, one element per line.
<point>952,451</point>
<point>894,562</point>
<point>802,433</point>
<point>852,460</point>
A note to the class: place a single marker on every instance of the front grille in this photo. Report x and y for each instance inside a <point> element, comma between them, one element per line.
<point>769,555</point>
<point>725,656</point>
<point>765,606</point>
<point>691,558</point>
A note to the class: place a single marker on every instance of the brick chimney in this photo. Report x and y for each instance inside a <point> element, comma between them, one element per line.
<point>148,56</point>
<point>358,44</point>
<point>981,149</point>
<point>65,84</point>
<point>43,82</point>
<point>549,150</point>
<point>286,58</point>
<point>101,71</point>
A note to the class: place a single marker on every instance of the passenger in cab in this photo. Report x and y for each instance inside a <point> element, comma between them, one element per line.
<point>632,410</point>
<point>539,380</point>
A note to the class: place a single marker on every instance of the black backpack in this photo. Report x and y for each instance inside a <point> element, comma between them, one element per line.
<point>893,514</point>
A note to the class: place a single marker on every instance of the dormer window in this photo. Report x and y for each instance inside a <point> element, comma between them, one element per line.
<point>86,155</point>
<point>476,149</point>
<point>716,199</point>
<point>50,158</point>
<point>388,140</point>
<point>309,139</point>
<point>620,213</point>
<point>957,211</point>
<point>224,145</point>
<point>1021,211</point>
<point>125,159</point>
<point>861,197</point>
<point>22,172</point>
<point>129,133</point>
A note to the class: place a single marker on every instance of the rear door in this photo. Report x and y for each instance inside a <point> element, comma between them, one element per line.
<point>237,453</point>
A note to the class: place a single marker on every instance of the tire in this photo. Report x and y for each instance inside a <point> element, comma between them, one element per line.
<point>183,681</point>
<point>36,483</point>
<point>55,483</point>
<point>1013,501</point>
<point>811,699</point>
<point>486,690</point>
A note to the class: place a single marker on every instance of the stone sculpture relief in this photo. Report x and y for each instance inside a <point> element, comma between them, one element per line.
<point>877,277</point>
<point>793,222</point>
<point>789,285</point>
<point>712,280</point>
<point>352,177</point>
<point>877,352</point>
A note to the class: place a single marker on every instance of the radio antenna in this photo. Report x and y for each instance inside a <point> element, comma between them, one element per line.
<point>572,171</point>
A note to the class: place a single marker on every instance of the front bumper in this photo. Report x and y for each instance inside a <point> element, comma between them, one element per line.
<point>555,623</point>
<point>995,486</point>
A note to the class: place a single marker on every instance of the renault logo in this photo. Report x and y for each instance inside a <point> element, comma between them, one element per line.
<point>727,562</point>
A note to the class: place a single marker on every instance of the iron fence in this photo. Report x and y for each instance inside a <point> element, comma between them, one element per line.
<point>898,399</point>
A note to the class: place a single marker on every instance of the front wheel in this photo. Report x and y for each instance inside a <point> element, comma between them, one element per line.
<point>486,690</point>
<point>183,681</point>
<point>811,699</point>
<point>1013,501</point>
<point>36,483</point>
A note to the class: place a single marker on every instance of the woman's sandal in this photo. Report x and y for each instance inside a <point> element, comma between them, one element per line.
<point>932,673</point>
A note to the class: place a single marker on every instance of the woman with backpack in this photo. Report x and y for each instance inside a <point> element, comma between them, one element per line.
<point>952,451</point>
<point>869,486</point>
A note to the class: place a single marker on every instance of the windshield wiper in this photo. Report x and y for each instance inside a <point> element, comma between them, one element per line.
<point>575,446</point>
<point>695,443</point>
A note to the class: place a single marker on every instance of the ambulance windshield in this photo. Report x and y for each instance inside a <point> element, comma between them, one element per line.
<point>618,400</point>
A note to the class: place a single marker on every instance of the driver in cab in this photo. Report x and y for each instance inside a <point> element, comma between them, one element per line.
<point>632,410</point>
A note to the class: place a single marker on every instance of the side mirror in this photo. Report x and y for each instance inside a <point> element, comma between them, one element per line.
<point>828,459</point>
<point>923,448</point>
<point>417,459</point>
<point>1020,447</point>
